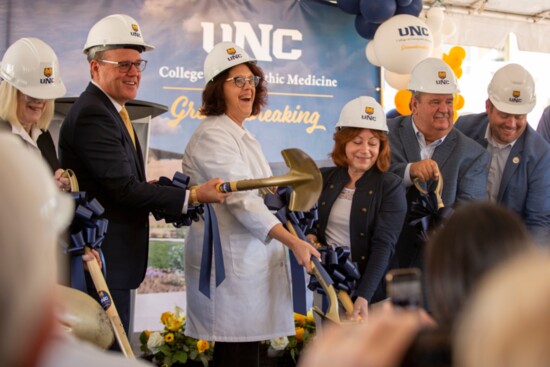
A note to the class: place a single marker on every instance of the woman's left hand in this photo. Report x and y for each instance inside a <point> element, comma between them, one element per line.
<point>63,183</point>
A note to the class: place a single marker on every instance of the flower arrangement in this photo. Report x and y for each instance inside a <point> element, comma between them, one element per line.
<point>170,346</point>
<point>294,344</point>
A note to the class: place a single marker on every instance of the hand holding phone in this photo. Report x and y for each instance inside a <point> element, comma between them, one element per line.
<point>404,287</point>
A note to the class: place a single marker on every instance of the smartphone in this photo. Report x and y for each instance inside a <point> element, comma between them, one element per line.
<point>404,287</point>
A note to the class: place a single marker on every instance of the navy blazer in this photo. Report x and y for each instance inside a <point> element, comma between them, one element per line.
<point>377,215</point>
<point>463,163</point>
<point>525,185</point>
<point>95,143</point>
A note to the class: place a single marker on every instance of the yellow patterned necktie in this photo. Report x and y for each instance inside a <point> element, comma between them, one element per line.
<point>126,118</point>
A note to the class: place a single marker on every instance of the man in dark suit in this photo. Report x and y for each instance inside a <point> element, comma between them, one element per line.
<point>519,173</point>
<point>425,146</point>
<point>103,150</point>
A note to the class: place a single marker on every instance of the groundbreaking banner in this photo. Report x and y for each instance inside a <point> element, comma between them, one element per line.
<point>313,59</point>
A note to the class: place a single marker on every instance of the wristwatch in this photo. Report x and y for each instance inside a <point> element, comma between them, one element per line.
<point>194,199</point>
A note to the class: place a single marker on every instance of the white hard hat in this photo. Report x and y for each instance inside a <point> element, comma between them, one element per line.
<point>512,90</point>
<point>224,56</point>
<point>364,113</point>
<point>32,215</point>
<point>433,75</point>
<point>116,30</point>
<point>31,66</point>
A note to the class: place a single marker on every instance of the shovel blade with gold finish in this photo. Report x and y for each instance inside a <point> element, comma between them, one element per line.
<point>304,177</point>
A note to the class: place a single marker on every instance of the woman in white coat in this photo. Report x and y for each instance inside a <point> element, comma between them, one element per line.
<point>253,303</point>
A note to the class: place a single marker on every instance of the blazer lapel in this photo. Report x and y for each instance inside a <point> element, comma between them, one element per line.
<point>409,140</point>
<point>136,153</point>
<point>512,164</point>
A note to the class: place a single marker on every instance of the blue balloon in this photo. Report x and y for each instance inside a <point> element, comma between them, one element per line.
<point>377,11</point>
<point>404,3</point>
<point>392,114</point>
<point>414,8</point>
<point>365,28</point>
<point>349,6</point>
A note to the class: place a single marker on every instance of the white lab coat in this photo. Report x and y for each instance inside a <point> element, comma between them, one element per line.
<point>254,301</point>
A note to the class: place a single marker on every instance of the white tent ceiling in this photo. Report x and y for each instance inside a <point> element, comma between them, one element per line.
<point>487,23</point>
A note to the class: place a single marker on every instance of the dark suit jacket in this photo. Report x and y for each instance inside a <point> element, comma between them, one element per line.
<point>525,185</point>
<point>377,213</point>
<point>463,165</point>
<point>462,162</point>
<point>95,143</point>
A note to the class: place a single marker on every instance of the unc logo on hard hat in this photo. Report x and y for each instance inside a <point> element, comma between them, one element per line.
<point>135,27</point>
<point>442,74</point>
<point>369,110</point>
<point>48,72</point>
<point>233,55</point>
<point>516,93</point>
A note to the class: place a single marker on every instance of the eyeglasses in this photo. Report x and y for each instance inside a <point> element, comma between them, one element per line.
<point>241,80</point>
<point>125,66</point>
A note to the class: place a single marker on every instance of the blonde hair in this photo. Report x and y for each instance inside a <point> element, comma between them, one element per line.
<point>8,107</point>
<point>508,324</point>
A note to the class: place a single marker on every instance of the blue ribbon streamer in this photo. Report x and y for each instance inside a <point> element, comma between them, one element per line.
<point>211,245</point>
<point>425,214</point>
<point>193,212</point>
<point>211,242</point>
<point>302,221</point>
<point>87,229</point>
<point>343,272</point>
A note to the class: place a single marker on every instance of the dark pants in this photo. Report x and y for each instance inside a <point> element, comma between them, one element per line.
<point>237,354</point>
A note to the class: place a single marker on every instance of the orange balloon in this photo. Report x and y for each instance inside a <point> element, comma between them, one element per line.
<point>402,102</point>
<point>458,72</point>
<point>458,102</point>
<point>458,51</point>
<point>453,61</point>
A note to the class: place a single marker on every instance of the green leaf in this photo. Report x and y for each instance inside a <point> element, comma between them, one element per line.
<point>165,349</point>
<point>180,356</point>
<point>143,338</point>
<point>193,354</point>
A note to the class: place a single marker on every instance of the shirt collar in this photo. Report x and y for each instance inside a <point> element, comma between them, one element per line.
<point>421,137</point>
<point>117,105</point>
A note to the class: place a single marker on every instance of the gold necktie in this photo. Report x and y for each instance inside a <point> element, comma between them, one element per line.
<point>126,118</point>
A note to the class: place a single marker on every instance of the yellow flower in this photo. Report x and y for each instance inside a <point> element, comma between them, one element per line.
<point>165,316</point>
<point>299,319</point>
<point>202,345</point>
<point>309,317</point>
<point>299,334</point>
<point>169,338</point>
<point>171,321</point>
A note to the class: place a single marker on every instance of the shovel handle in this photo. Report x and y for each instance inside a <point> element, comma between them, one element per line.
<point>108,304</point>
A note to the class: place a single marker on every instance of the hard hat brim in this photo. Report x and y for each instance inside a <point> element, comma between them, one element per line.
<point>44,92</point>
<point>513,110</point>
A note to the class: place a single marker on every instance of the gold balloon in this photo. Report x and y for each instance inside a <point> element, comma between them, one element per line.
<point>458,72</point>
<point>458,51</point>
<point>458,102</point>
<point>402,102</point>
